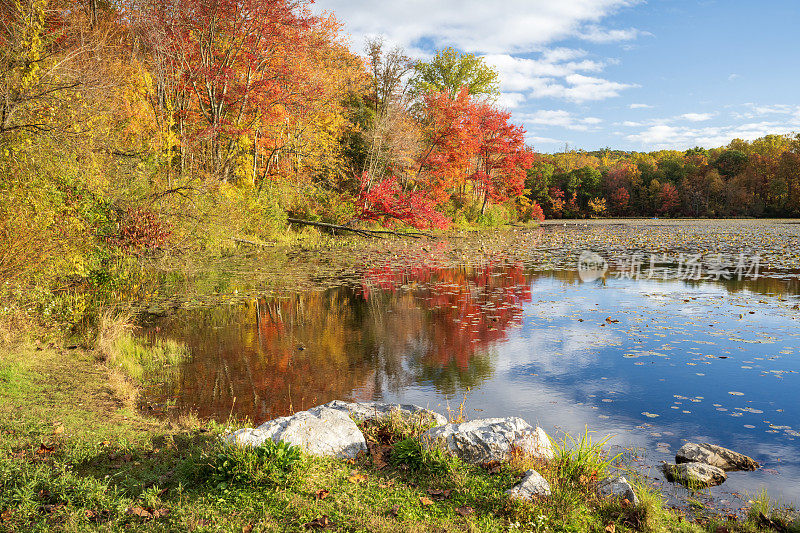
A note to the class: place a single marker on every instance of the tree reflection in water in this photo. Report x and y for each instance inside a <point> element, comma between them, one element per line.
<point>402,326</point>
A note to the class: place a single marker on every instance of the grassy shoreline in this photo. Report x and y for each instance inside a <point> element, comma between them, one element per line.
<point>76,456</point>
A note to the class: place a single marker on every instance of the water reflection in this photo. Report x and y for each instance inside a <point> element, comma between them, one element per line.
<point>653,362</point>
<point>400,328</point>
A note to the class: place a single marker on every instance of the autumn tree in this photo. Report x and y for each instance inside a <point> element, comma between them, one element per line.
<point>450,142</point>
<point>502,157</point>
<point>392,135</point>
<point>668,199</point>
<point>450,72</point>
<point>237,68</point>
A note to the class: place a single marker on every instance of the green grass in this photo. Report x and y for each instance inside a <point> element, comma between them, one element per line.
<point>74,457</point>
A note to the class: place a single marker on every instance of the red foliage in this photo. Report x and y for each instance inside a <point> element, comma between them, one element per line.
<point>502,155</point>
<point>668,198</point>
<point>139,230</point>
<point>452,140</point>
<point>537,212</point>
<point>620,199</point>
<point>470,140</point>
<point>386,201</point>
<point>234,65</point>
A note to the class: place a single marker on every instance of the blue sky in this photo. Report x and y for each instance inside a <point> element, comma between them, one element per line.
<point>629,74</point>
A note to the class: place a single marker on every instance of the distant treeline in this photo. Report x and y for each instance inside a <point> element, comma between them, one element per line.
<point>758,179</point>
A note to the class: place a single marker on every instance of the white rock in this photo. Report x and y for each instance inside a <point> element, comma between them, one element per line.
<point>618,488</point>
<point>319,431</point>
<point>490,439</point>
<point>533,484</point>
<point>376,410</point>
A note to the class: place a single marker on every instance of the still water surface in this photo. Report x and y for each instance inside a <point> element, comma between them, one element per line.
<point>652,362</point>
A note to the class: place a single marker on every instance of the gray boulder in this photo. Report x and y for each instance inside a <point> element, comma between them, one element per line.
<point>694,475</point>
<point>319,431</point>
<point>714,455</point>
<point>533,484</point>
<point>618,488</point>
<point>375,410</point>
<point>490,439</point>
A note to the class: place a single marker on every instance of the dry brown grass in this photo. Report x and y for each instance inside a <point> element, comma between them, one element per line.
<point>111,326</point>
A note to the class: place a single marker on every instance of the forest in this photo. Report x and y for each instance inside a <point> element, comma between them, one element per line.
<point>129,128</point>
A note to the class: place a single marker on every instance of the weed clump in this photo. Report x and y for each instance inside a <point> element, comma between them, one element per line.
<point>269,465</point>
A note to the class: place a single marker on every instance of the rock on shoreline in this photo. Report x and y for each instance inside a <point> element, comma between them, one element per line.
<point>377,410</point>
<point>490,439</point>
<point>320,431</point>
<point>694,475</point>
<point>532,485</point>
<point>714,455</point>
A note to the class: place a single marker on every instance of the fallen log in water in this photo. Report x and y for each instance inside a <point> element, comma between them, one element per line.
<point>359,231</point>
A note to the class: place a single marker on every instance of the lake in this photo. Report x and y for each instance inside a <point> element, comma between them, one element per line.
<point>687,330</point>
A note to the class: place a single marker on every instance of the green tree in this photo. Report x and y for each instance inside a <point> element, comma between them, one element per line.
<point>449,71</point>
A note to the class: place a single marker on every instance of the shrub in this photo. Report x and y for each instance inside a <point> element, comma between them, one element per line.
<point>581,461</point>
<point>271,464</point>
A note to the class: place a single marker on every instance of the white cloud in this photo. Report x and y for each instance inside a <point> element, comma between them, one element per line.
<point>558,73</point>
<point>516,26</point>
<point>586,88</point>
<point>510,100</point>
<point>697,117</point>
<point>542,140</point>
<point>501,35</point>
<point>640,106</point>
<point>759,111</point>
<point>681,137</point>
<point>596,34</point>
<point>559,118</point>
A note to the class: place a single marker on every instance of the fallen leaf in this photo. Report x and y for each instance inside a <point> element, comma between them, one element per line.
<point>439,494</point>
<point>322,494</point>
<point>611,528</point>
<point>139,511</point>
<point>98,516</point>
<point>379,454</point>
<point>465,510</point>
<point>425,501</point>
<point>493,467</point>
<point>160,513</point>
<point>357,478</point>
<point>247,528</point>
<point>323,522</point>
<point>45,449</point>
